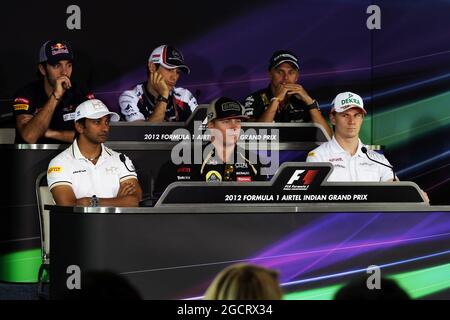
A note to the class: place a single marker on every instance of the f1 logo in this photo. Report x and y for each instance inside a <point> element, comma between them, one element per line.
<point>295,176</point>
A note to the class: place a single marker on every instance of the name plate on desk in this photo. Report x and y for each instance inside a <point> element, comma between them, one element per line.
<point>294,183</point>
<point>194,129</point>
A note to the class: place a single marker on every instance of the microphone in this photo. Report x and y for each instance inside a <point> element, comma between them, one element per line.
<point>144,202</point>
<point>364,150</point>
<point>122,158</point>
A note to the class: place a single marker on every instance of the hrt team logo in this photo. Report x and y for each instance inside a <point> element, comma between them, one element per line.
<point>300,180</point>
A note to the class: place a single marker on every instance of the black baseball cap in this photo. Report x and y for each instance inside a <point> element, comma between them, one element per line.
<point>54,51</point>
<point>169,57</point>
<point>225,108</point>
<point>281,56</point>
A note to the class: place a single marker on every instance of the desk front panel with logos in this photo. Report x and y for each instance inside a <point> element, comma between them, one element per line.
<point>173,250</point>
<point>174,253</point>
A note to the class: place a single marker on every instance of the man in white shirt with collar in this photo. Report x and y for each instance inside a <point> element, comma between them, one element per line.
<point>344,151</point>
<point>88,173</point>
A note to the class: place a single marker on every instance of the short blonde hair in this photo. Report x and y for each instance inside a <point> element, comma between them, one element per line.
<point>245,282</point>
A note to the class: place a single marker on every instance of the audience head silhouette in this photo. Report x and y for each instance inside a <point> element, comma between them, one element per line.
<point>245,282</point>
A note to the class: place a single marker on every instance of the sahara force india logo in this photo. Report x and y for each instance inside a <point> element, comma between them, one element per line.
<point>300,180</point>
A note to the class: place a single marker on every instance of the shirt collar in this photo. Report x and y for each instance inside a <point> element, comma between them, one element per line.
<point>336,147</point>
<point>77,153</point>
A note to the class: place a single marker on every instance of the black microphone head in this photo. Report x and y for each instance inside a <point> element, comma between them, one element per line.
<point>364,149</point>
<point>122,157</point>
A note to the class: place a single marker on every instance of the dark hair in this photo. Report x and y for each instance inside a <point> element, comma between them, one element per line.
<point>39,75</point>
<point>157,65</point>
<point>81,121</point>
<point>333,127</point>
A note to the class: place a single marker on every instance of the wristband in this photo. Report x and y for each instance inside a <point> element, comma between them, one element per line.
<point>314,105</point>
<point>163,99</point>
<point>57,99</point>
<point>275,99</point>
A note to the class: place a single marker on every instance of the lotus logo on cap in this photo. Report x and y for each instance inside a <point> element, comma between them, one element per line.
<point>285,55</point>
<point>228,106</point>
<point>280,56</point>
<point>225,108</point>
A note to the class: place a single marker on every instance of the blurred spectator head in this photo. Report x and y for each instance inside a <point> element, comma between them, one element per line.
<point>245,282</point>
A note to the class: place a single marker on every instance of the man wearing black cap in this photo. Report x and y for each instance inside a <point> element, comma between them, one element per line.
<point>222,160</point>
<point>226,161</point>
<point>284,100</point>
<point>157,99</point>
<point>44,110</point>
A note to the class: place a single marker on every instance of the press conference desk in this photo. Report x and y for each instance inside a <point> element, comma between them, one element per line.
<point>174,253</point>
<point>173,250</point>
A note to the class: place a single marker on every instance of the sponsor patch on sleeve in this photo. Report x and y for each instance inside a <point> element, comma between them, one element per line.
<point>249,101</point>
<point>21,106</point>
<point>265,99</point>
<point>21,100</point>
<point>54,169</point>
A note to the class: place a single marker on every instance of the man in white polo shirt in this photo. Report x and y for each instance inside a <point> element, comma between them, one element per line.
<point>345,150</point>
<point>88,173</point>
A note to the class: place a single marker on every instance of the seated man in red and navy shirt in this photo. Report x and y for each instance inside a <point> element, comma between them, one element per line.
<point>157,99</point>
<point>44,110</point>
